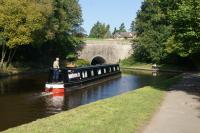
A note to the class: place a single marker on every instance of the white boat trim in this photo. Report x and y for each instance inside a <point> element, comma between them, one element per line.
<point>54,85</point>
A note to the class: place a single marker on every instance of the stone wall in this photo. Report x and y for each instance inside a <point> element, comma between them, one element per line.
<point>111,51</point>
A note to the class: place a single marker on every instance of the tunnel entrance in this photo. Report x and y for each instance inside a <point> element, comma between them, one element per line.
<point>98,61</point>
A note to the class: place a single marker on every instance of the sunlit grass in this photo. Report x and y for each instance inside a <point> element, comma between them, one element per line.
<point>132,63</point>
<point>125,113</point>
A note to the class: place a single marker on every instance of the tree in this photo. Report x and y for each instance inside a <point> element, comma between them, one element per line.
<point>67,15</point>
<point>185,39</point>
<point>122,28</point>
<point>95,31</point>
<point>132,27</point>
<point>115,31</point>
<point>62,35</point>
<point>153,30</point>
<point>100,30</point>
<point>108,33</point>
<point>79,31</point>
<point>39,28</point>
<point>19,20</point>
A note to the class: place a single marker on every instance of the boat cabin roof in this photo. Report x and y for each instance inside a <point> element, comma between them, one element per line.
<point>89,67</point>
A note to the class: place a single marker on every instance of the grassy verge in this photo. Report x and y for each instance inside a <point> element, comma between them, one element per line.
<point>15,70</point>
<point>125,113</point>
<point>131,63</point>
<point>138,66</point>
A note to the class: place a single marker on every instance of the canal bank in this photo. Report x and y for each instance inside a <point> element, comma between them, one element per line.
<point>150,69</point>
<point>124,113</point>
<point>7,73</point>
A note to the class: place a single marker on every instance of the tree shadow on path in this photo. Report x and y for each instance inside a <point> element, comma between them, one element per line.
<point>190,83</point>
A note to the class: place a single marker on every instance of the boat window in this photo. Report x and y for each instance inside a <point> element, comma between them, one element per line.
<point>109,69</point>
<point>99,72</point>
<point>83,74</point>
<point>86,75</point>
<point>92,73</point>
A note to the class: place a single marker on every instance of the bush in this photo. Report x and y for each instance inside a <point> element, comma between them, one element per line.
<point>81,62</point>
<point>128,61</point>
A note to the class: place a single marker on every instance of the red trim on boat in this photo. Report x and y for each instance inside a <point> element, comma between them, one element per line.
<point>55,90</point>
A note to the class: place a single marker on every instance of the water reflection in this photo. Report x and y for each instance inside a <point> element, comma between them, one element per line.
<point>22,100</point>
<point>55,102</point>
<point>22,83</point>
<point>154,73</point>
<point>128,81</point>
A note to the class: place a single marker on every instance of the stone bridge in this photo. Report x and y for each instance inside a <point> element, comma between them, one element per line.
<point>106,51</point>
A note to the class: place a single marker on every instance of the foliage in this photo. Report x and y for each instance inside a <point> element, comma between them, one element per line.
<point>39,28</point>
<point>132,27</point>
<point>167,31</point>
<point>19,21</point>
<point>185,39</point>
<point>65,26</point>
<point>179,65</point>
<point>122,28</point>
<point>128,61</point>
<point>115,31</point>
<point>67,17</point>
<point>100,30</point>
<point>153,30</point>
<point>80,32</point>
<point>131,62</point>
<point>71,57</point>
<point>81,62</point>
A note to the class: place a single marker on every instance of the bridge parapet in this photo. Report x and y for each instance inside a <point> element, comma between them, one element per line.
<point>109,41</point>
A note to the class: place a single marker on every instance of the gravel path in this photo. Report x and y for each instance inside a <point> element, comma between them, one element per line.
<point>180,111</point>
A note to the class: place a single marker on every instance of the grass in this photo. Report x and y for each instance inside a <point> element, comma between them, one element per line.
<point>131,63</point>
<point>125,113</point>
<point>139,66</point>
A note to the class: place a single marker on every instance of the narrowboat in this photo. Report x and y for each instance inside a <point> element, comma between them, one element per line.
<point>75,76</point>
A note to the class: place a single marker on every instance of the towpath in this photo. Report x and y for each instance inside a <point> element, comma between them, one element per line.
<point>180,111</point>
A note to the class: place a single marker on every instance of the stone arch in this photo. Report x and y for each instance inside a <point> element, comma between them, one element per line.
<point>98,60</point>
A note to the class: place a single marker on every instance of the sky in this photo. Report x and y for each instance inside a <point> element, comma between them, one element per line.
<point>112,12</point>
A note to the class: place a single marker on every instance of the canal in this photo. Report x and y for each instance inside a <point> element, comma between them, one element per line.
<point>22,99</point>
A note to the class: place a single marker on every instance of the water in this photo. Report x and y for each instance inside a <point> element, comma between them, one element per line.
<point>22,100</point>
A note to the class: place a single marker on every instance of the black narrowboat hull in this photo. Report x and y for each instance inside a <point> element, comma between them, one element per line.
<point>69,77</point>
<point>71,83</point>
